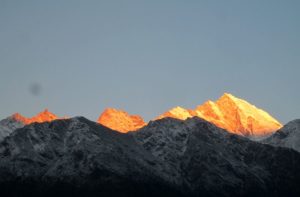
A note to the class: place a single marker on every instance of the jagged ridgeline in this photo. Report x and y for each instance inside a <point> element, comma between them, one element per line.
<point>167,157</point>
<point>228,112</point>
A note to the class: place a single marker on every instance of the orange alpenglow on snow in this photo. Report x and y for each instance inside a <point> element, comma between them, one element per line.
<point>44,116</point>
<point>121,121</point>
<point>233,114</point>
<point>178,113</point>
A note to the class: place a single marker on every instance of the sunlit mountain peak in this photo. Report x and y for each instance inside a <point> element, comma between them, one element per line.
<point>178,113</point>
<point>120,120</point>
<point>44,116</point>
<point>228,112</point>
<point>231,113</point>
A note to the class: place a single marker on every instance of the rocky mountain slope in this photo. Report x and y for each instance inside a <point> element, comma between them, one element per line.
<point>76,157</point>
<point>211,161</point>
<point>288,136</point>
<point>168,157</point>
<point>8,125</point>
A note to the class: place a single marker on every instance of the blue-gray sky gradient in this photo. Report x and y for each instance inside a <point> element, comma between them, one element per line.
<point>78,57</point>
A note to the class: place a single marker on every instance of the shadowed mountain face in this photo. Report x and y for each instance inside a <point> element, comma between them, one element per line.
<point>76,157</point>
<point>168,157</point>
<point>288,136</point>
<point>8,125</point>
<point>215,162</point>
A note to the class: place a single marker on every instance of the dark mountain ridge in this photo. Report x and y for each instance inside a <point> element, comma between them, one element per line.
<point>288,136</point>
<point>168,157</point>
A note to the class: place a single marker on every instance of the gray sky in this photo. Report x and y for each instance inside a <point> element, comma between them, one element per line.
<point>78,57</point>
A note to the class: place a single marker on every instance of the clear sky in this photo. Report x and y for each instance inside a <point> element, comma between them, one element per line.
<point>79,57</point>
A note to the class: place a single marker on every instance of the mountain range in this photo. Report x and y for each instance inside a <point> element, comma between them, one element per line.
<point>228,112</point>
<point>208,151</point>
<point>15,121</point>
<point>231,113</point>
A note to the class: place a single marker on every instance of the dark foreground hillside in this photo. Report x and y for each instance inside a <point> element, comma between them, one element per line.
<point>77,157</point>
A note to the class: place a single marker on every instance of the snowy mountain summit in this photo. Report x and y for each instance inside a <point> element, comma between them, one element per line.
<point>231,113</point>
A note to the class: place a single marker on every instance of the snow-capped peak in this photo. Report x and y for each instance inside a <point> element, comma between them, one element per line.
<point>231,113</point>
<point>120,120</point>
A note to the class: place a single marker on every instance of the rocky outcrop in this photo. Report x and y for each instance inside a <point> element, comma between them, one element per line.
<point>288,136</point>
